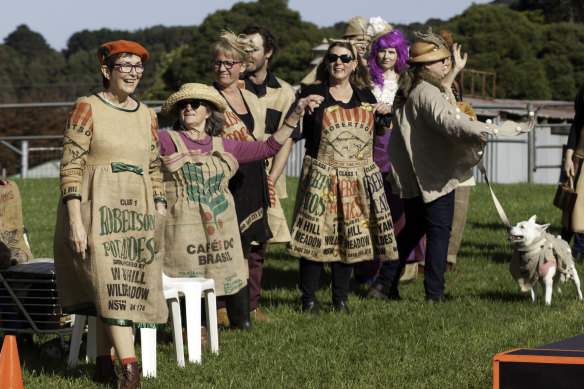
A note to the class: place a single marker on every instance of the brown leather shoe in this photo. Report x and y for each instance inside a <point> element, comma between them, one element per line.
<point>105,371</point>
<point>260,316</point>
<point>204,338</point>
<point>222,318</point>
<point>130,376</point>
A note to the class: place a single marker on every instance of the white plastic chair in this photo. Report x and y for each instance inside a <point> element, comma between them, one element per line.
<point>78,330</point>
<point>147,335</point>
<point>193,289</point>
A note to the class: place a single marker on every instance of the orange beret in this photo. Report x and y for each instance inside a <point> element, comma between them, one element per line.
<point>108,49</point>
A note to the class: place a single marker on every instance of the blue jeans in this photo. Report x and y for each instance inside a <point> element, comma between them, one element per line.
<point>433,219</point>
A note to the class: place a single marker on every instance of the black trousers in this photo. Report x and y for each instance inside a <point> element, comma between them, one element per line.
<point>310,277</point>
<point>433,219</point>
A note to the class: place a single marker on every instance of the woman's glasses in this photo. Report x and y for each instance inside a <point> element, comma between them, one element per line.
<point>345,58</point>
<point>194,103</point>
<point>228,64</point>
<point>127,67</point>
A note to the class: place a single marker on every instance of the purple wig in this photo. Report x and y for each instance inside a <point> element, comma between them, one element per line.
<point>393,39</point>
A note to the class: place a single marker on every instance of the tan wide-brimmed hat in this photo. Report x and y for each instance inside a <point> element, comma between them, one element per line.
<point>356,26</point>
<point>194,91</point>
<point>423,51</point>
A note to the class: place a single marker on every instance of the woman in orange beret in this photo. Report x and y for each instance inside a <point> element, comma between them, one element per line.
<point>112,200</point>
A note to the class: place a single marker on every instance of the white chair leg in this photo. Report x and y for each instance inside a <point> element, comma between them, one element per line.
<point>193,313</point>
<point>148,345</point>
<point>78,330</point>
<point>177,331</point>
<point>91,350</point>
<point>211,310</point>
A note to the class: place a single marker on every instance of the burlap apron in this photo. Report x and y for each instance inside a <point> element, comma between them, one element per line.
<point>11,223</point>
<point>201,232</point>
<point>121,278</point>
<point>341,211</point>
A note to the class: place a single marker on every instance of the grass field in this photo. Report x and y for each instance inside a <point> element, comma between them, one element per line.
<point>409,344</point>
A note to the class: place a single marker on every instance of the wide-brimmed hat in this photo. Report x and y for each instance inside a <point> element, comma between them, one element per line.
<point>108,49</point>
<point>194,91</point>
<point>423,51</point>
<point>356,26</point>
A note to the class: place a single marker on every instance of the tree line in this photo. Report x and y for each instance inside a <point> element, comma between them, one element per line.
<point>535,47</point>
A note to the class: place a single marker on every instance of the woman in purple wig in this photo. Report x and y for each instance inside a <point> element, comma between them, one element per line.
<point>387,60</point>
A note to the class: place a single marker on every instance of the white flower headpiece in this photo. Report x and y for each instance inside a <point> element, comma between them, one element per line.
<point>378,27</point>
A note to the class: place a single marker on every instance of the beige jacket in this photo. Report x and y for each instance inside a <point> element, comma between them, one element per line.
<point>434,145</point>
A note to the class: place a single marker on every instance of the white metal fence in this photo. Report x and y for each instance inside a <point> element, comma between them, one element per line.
<point>535,157</point>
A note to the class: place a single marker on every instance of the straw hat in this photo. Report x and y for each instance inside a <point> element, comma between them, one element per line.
<point>193,91</point>
<point>108,49</point>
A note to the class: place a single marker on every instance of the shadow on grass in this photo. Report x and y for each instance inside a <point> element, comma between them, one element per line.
<point>500,296</point>
<point>496,254</point>
<point>38,365</point>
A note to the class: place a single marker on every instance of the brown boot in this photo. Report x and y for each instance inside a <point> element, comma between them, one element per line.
<point>260,316</point>
<point>222,318</point>
<point>105,371</point>
<point>204,338</point>
<point>130,376</point>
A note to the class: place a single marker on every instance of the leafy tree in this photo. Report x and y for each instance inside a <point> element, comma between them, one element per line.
<point>563,58</point>
<point>295,39</point>
<point>551,11</point>
<point>506,42</point>
<point>11,73</point>
<point>27,43</point>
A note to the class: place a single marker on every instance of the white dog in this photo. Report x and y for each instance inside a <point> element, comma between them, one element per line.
<point>540,256</point>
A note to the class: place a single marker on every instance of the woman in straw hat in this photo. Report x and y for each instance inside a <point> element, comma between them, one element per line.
<point>202,231</point>
<point>387,60</point>
<point>432,149</point>
<point>341,215</point>
<point>111,200</point>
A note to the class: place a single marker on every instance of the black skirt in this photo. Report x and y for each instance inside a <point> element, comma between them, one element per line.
<point>249,187</point>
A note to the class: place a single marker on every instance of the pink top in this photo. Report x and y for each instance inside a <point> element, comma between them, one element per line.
<point>244,152</point>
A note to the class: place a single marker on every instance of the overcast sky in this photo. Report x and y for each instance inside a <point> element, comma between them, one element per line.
<point>57,20</point>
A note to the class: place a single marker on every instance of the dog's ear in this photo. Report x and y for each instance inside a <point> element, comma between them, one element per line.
<point>532,219</point>
<point>544,227</point>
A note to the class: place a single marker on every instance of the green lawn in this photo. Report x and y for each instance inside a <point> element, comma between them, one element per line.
<point>409,344</point>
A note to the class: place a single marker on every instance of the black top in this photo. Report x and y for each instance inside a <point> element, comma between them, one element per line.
<point>312,124</point>
<point>260,90</point>
<point>578,122</point>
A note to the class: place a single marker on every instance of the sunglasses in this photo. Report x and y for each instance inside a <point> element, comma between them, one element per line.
<point>345,58</point>
<point>194,103</point>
